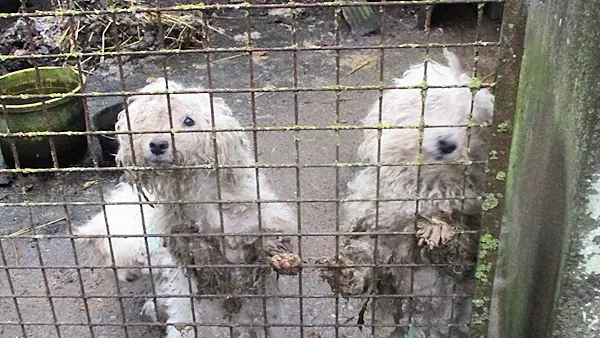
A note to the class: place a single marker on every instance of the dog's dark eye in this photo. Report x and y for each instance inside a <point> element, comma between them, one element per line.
<point>189,121</point>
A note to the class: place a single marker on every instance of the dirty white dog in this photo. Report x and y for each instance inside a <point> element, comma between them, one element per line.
<point>121,219</point>
<point>224,293</point>
<point>131,253</point>
<point>433,233</point>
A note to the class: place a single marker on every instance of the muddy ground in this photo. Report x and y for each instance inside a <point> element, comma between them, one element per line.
<point>30,292</point>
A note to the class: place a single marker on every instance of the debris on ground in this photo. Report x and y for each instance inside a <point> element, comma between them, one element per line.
<point>39,35</point>
<point>245,37</point>
<point>88,184</point>
<point>98,33</point>
<point>141,31</point>
<point>287,13</point>
<point>26,188</point>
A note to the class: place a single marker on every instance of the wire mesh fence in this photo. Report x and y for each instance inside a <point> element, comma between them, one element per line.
<point>225,169</point>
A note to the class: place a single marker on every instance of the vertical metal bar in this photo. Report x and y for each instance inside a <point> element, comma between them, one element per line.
<point>138,186</point>
<point>102,198</point>
<point>39,86</point>
<point>378,176</point>
<point>507,81</point>
<point>88,124</point>
<point>2,252</point>
<point>480,7</point>
<point>161,40</point>
<point>297,161</point>
<point>214,142</point>
<point>13,146</point>
<point>476,49</point>
<point>11,287</point>
<point>428,12</point>
<point>256,170</point>
<point>337,15</point>
<point>42,269</point>
<point>110,244</point>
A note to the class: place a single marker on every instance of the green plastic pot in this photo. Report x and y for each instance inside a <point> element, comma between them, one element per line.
<point>28,115</point>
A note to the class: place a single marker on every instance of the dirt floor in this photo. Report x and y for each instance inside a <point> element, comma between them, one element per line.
<point>31,294</point>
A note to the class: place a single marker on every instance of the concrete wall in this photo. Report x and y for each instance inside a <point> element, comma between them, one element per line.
<point>545,234</point>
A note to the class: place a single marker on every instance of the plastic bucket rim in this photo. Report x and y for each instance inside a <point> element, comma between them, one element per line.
<point>28,107</point>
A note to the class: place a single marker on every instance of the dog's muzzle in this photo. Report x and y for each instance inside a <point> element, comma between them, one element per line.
<point>158,152</point>
<point>158,147</point>
<point>444,148</point>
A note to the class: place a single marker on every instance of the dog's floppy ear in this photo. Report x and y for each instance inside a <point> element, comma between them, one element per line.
<point>124,154</point>
<point>233,147</point>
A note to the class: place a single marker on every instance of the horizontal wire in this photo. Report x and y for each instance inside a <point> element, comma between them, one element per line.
<point>244,5</point>
<point>231,266</point>
<point>224,325</point>
<point>246,234</point>
<point>341,127</point>
<point>264,296</point>
<point>333,88</point>
<point>301,200</point>
<point>258,165</point>
<point>213,50</point>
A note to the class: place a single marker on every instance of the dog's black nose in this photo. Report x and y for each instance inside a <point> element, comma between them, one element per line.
<point>446,147</point>
<point>158,147</point>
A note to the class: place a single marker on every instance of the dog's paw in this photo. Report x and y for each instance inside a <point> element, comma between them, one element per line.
<point>435,231</point>
<point>346,281</point>
<point>285,263</point>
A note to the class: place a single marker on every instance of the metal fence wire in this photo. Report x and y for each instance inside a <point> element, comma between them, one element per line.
<point>250,169</point>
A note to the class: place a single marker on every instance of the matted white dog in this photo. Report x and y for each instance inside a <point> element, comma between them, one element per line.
<point>441,214</point>
<point>187,131</point>
<point>121,220</point>
<point>118,234</point>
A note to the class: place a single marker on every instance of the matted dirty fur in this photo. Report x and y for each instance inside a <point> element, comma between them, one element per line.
<point>240,215</point>
<point>438,223</point>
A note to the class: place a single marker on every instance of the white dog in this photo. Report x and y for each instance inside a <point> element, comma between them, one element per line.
<point>122,219</point>
<point>437,222</point>
<point>199,223</point>
<point>122,239</point>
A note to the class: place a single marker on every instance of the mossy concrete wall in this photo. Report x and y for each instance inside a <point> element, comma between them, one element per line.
<point>543,231</point>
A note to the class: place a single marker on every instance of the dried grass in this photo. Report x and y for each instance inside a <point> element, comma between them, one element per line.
<point>142,31</point>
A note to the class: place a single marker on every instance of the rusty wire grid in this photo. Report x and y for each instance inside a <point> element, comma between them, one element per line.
<point>298,81</point>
